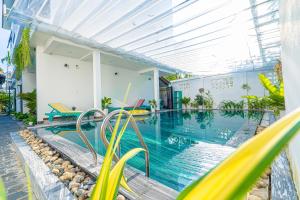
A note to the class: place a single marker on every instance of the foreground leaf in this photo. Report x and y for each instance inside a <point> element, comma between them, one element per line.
<point>117,173</point>
<point>2,190</point>
<point>233,178</point>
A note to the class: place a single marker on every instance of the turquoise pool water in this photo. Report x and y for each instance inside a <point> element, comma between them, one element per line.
<point>183,145</point>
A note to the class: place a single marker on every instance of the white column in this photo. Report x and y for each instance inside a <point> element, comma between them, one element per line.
<point>156,87</point>
<point>97,89</point>
<point>290,41</point>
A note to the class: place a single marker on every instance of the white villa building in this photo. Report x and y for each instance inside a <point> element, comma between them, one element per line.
<point>84,50</point>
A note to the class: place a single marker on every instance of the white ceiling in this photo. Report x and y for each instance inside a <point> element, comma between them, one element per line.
<point>198,36</point>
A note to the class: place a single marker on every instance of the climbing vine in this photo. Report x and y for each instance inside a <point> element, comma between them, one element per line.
<point>21,56</point>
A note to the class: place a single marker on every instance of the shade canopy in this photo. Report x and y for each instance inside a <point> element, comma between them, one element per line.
<point>197,36</point>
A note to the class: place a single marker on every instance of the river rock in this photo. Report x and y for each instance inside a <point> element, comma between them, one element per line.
<point>59,161</point>
<point>120,197</point>
<point>78,178</point>
<point>68,175</point>
<point>262,193</point>
<point>65,164</point>
<point>73,184</point>
<point>253,197</point>
<point>55,171</point>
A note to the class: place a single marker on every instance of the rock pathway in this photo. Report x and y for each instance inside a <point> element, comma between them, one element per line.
<point>11,171</point>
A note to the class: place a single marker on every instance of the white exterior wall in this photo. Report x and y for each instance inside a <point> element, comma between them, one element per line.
<point>114,86</point>
<point>290,41</point>
<point>222,87</point>
<point>74,87</point>
<point>56,83</point>
<point>28,85</point>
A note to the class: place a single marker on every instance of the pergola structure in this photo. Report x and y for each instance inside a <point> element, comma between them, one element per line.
<point>200,37</point>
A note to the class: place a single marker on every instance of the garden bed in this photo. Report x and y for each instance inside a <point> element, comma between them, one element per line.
<point>74,178</point>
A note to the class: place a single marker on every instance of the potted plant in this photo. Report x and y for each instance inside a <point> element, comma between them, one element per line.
<point>153,105</point>
<point>186,101</point>
<point>106,101</point>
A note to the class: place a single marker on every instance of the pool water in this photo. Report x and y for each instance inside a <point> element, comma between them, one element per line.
<point>183,145</point>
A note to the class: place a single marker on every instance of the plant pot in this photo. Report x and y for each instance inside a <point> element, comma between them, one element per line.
<point>152,109</point>
<point>105,111</point>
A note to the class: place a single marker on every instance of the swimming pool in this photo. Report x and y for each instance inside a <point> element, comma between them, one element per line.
<point>183,145</point>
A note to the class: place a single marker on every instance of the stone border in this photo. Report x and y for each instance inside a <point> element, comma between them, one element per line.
<point>144,188</point>
<point>45,185</point>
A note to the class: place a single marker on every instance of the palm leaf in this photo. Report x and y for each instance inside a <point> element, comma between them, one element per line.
<point>100,189</point>
<point>117,173</point>
<point>268,84</point>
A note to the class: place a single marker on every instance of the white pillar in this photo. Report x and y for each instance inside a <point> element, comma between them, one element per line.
<point>290,41</point>
<point>156,87</point>
<point>97,89</point>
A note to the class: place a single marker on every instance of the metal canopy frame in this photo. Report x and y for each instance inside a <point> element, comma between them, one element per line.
<point>200,37</point>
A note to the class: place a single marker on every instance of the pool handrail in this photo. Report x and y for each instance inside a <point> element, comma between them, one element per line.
<point>82,135</point>
<point>106,122</point>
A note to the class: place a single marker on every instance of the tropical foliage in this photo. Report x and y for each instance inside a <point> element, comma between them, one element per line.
<point>30,98</point>
<point>110,178</point>
<point>173,77</point>
<point>4,101</point>
<point>186,101</point>
<point>153,103</point>
<point>232,105</point>
<point>204,99</point>
<point>106,101</point>
<point>275,99</point>
<point>21,55</point>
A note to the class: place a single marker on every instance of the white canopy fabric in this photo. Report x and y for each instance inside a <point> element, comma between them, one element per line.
<point>197,36</point>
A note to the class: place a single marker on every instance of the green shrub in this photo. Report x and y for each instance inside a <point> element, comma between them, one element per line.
<point>186,101</point>
<point>4,101</point>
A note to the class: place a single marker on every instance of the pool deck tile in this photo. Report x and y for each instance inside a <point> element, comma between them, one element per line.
<point>11,171</point>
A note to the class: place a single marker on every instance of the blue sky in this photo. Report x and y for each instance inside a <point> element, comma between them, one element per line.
<point>4,34</point>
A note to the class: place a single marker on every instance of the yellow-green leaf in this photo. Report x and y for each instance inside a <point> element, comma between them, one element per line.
<point>233,178</point>
<point>2,190</point>
<point>267,84</point>
<point>29,189</point>
<point>117,173</point>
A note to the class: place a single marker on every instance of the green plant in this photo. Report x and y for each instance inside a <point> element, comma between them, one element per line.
<point>275,100</point>
<point>106,101</point>
<point>194,104</point>
<point>208,101</point>
<point>276,92</point>
<point>256,103</point>
<point>4,101</point>
<point>231,105</point>
<point>153,103</point>
<point>186,101</point>
<point>30,98</point>
<point>109,180</point>
<point>199,99</point>
<point>173,77</point>
<point>204,99</point>
<point>21,55</point>
<point>246,87</point>
<point>30,118</point>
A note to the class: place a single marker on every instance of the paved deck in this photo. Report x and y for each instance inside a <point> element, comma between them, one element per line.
<point>11,172</point>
